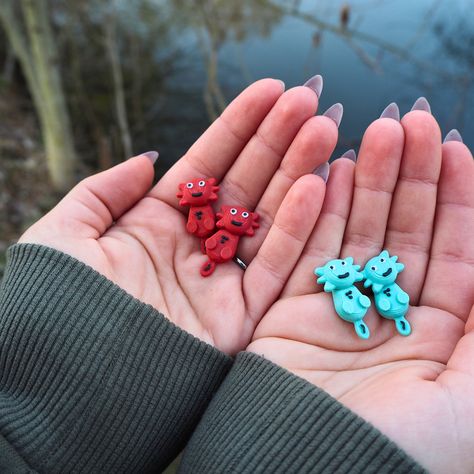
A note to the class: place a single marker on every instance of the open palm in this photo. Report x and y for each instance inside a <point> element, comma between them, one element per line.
<point>259,150</point>
<point>415,197</point>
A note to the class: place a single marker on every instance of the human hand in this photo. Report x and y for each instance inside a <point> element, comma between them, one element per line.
<point>414,197</point>
<point>260,147</point>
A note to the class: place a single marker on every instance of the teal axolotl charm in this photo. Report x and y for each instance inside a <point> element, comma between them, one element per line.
<point>391,301</point>
<point>351,305</point>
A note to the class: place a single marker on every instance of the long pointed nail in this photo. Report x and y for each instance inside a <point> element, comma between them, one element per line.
<point>335,113</point>
<point>322,171</point>
<point>350,155</point>
<point>315,83</point>
<point>391,111</point>
<point>453,136</point>
<point>151,155</point>
<point>422,104</point>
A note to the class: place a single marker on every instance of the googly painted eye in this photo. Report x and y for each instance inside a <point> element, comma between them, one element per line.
<point>382,260</point>
<point>189,185</point>
<point>245,214</point>
<point>343,263</point>
<point>373,267</point>
<point>233,211</point>
<point>331,267</point>
<point>202,183</point>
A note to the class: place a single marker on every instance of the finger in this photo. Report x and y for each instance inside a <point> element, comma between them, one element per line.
<point>325,241</point>
<point>411,220</point>
<point>92,206</point>
<point>375,179</point>
<point>267,274</point>
<point>312,146</point>
<point>249,176</point>
<point>449,282</point>
<point>463,354</point>
<point>217,149</point>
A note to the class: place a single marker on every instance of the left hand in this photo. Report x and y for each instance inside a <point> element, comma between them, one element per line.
<point>258,150</point>
<point>415,197</point>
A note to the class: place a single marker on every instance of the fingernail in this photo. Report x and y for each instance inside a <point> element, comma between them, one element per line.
<point>315,83</point>
<point>350,155</point>
<point>453,136</point>
<point>422,104</point>
<point>151,155</point>
<point>283,86</point>
<point>335,113</point>
<point>391,111</point>
<point>322,171</point>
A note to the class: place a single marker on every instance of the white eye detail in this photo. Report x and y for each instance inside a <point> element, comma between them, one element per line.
<point>245,214</point>
<point>202,183</point>
<point>233,211</point>
<point>343,263</point>
<point>331,267</point>
<point>382,260</point>
<point>373,267</point>
<point>189,185</point>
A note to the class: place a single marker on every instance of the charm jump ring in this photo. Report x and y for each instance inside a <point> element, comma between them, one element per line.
<point>240,263</point>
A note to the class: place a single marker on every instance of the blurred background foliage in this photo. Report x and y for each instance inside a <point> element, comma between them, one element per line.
<point>84,85</point>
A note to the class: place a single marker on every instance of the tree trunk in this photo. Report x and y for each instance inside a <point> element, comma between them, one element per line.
<point>59,143</point>
<point>119,91</point>
<point>38,58</point>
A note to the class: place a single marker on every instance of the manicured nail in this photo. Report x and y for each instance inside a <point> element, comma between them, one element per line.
<point>453,136</point>
<point>283,86</point>
<point>322,171</point>
<point>315,83</point>
<point>422,104</point>
<point>335,113</point>
<point>391,111</point>
<point>350,155</point>
<point>151,155</point>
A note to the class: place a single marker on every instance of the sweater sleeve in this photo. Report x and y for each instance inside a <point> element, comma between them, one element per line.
<point>91,379</point>
<point>265,419</point>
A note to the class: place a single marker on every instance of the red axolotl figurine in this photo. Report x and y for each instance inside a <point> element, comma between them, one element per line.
<point>198,193</point>
<point>234,222</point>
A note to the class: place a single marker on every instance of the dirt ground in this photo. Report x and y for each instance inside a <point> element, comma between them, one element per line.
<point>25,191</point>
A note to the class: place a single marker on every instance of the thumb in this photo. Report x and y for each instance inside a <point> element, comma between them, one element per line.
<point>463,354</point>
<point>92,206</point>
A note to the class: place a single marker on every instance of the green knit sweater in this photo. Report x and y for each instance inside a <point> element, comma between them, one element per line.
<point>93,380</point>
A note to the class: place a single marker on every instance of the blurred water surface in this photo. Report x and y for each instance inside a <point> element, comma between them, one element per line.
<point>369,52</point>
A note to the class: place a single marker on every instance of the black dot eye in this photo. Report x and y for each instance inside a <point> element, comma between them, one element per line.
<point>189,185</point>
<point>245,214</point>
<point>382,260</point>
<point>343,263</point>
<point>373,267</point>
<point>331,267</point>
<point>233,211</point>
<point>202,183</point>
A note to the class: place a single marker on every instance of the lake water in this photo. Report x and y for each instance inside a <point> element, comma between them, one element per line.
<point>369,52</point>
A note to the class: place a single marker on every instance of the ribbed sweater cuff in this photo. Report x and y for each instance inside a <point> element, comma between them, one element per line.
<point>265,419</point>
<point>91,379</point>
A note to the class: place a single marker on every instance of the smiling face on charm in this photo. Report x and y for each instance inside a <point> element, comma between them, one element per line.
<point>340,273</point>
<point>198,192</point>
<point>383,269</point>
<point>237,220</point>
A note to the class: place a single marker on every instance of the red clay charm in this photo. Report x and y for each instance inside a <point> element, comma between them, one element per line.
<point>234,222</point>
<point>197,194</point>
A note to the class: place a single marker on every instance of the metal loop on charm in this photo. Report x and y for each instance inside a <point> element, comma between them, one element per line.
<point>240,263</point>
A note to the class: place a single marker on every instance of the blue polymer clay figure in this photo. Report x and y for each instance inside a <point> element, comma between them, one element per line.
<point>351,305</point>
<point>391,301</point>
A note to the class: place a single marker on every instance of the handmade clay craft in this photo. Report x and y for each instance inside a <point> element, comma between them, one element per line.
<point>391,301</point>
<point>338,277</point>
